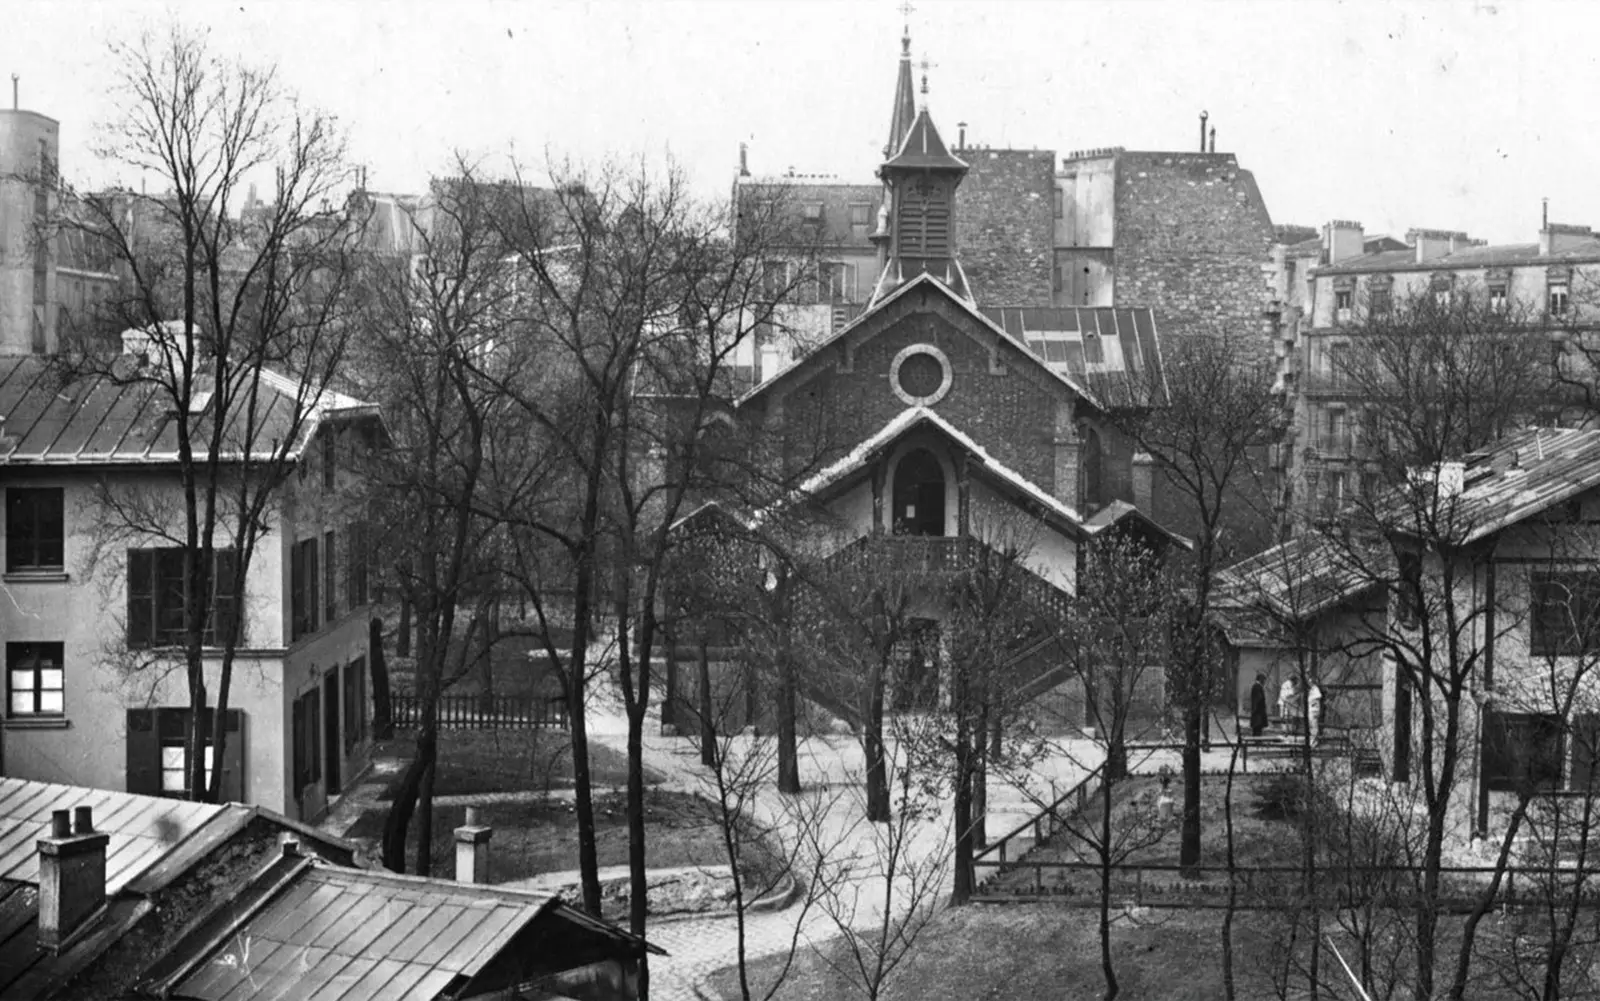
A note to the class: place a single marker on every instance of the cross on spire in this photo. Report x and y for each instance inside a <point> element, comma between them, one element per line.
<point>926,65</point>
<point>906,11</point>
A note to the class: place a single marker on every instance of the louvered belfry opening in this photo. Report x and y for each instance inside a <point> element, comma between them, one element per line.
<point>924,223</point>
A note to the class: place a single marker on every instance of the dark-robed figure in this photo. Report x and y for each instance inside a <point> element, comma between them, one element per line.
<point>1258,705</point>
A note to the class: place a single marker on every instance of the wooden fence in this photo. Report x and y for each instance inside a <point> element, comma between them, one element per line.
<point>484,712</point>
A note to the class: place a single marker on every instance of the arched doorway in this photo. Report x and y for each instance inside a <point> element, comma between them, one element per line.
<point>918,494</point>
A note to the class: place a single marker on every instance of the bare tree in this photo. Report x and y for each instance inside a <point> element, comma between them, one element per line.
<point>216,292</point>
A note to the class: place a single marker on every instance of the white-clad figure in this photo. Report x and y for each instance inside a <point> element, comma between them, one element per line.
<point>1314,711</point>
<point>1288,699</point>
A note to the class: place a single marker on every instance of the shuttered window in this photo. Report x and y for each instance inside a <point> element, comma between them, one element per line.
<point>305,582</point>
<point>157,747</point>
<point>156,596</point>
<point>307,730</point>
<point>330,579</point>
<point>355,703</point>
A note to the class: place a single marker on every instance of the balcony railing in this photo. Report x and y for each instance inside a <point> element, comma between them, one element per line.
<point>936,554</point>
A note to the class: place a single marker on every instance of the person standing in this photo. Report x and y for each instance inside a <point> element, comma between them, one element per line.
<point>1314,710</point>
<point>1288,700</point>
<point>1258,705</point>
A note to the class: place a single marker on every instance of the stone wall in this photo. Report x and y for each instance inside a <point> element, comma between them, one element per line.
<point>1194,241</point>
<point>1005,225</point>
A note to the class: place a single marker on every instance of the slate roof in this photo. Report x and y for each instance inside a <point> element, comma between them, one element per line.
<point>1503,255</point>
<point>923,149</point>
<point>1301,578</point>
<point>1113,351</point>
<point>321,933</point>
<point>51,417</point>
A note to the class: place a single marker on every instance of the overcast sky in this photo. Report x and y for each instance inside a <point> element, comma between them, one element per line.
<point>1436,114</point>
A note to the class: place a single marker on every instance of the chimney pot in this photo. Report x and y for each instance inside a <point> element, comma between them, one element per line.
<point>72,877</point>
<point>472,848</point>
<point>1203,117</point>
<point>83,820</point>
<point>291,845</point>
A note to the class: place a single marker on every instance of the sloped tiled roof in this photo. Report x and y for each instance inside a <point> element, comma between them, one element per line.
<point>1298,579</point>
<point>1520,476</point>
<point>320,933</point>
<point>1113,351</point>
<point>51,417</point>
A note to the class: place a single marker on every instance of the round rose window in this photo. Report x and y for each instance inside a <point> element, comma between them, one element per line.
<point>920,375</point>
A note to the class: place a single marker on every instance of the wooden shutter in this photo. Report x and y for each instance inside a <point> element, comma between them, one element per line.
<point>297,591</point>
<point>330,580</point>
<point>143,758</point>
<point>141,597</point>
<point>225,605</point>
<point>232,763</point>
<point>313,578</point>
<point>313,734</point>
<point>298,744</point>
<point>1585,752</point>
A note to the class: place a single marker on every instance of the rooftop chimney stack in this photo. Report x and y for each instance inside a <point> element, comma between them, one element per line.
<point>472,849</point>
<point>961,135</point>
<point>1213,148</point>
<point>744,159</point>
<point>1431,244</point>
<point>72,876</point>
<point>1342,240</point>
<point>1556,237</point>
<point>1203,117</point>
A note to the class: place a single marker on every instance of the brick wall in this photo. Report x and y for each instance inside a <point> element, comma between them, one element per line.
<point>1194,241</point>
<point>1005,225</point>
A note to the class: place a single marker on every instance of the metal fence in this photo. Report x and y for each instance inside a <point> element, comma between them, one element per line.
<point>484,712</point>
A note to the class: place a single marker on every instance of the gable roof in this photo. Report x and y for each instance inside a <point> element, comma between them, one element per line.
<point>323,932</point>
<point>152,841</point>
<point>1520,476</point>
<point>921,280</point>
<point>1301,578</point>
<point>49,417</point>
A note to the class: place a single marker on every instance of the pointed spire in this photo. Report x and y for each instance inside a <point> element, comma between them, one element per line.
<point>905,109</point>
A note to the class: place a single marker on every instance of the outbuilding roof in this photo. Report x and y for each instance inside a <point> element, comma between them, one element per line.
<point>52,416</point>
<point>1113,351</point>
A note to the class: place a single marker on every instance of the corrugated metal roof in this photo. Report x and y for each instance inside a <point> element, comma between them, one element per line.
<point>142,828</point>
<point>1114,351</point>
<point>352,935</point>
<point>50,416</point>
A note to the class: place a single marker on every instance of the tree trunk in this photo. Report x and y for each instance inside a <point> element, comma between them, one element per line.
<point>788,738</point>
<point>878,811</point>
<point>428,754</point>
<point>1189,845</point>
<point>1106,966</point>
<point>398,823</point>
<point>583,792</point>
<point>962,889</point>
<point>402,639</point>
<point>382,707</point>
<point>708,722</point>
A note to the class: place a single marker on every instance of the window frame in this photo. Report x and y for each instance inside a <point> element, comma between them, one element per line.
<point>30,551</point>
<point>305,603</point>
<point>34,653</point>
<point>147,630</point>
<point>1580,585</point>
<point>1504,732</point>
<point>1558,298</point>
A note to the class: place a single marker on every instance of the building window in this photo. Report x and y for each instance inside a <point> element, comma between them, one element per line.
<point>1499,298</point>
<point>1338,365</point>
<point>1061,203</point>
<point>774,279</point>
<point>1522,751</point>
<point>813,212</point>
<point>836,282</point>
<point>920,375</point>
<point>1564,619</point>
<point>355,548</point>
<point>36,679</point>
<point>304,582</point>
<point>330,579</point>
<point>157,580</point>
<point>35,525</point>
<point>157,752</point>
<point>307,732</point>
<point>1342,301</point>
<point>1408,599</point>
<point>355,703</point>
<point>860,219</point>
<point>1380,301</point>
<point>1558,299</point>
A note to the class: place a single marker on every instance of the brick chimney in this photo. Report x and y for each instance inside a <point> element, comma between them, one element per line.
<point>1144,483</point>
<point>1341,241</point>
<point>1556,237</point>
<point>72,876</point>
<point>472,849</point>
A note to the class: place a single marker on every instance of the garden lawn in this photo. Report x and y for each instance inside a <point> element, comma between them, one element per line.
<point>532,760</point>
<point>1041,952</point>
